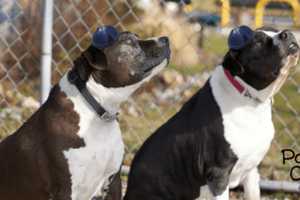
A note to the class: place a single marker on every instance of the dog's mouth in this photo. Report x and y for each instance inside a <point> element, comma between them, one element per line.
<point>293,48</point>
<point>153,62</point>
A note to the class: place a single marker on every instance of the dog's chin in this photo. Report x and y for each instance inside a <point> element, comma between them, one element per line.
<point>290,62</point>
<point>287,65</point>
<point>294,59</point>
<point>284,72</point>
<point>147,76</point>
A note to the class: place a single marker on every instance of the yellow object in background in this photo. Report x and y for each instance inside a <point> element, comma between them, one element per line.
<point>260,8</point>
<point>225,13</point>
<point>188,8</point>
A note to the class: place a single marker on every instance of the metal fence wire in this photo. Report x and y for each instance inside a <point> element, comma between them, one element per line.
<point>198,44</point>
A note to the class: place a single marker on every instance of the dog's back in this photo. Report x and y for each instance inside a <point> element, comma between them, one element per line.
<point>26,156</point>
<point>11,184</point>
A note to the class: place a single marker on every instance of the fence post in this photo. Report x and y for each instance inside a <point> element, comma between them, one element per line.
<point>46,49</point>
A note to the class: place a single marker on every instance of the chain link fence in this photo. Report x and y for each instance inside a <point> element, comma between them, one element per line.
<point>198,44</point>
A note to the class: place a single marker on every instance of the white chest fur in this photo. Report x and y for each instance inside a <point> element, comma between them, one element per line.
<point>102,154</point>
<point>248,126</point>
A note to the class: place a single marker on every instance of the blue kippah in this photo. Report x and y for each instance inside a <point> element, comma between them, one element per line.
<point>240,37</point>
<point>104,37</point>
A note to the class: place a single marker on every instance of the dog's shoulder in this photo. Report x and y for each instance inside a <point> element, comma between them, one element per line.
<point>198,123</point>
<point>199,118</point>
<point>193,138</point>
<point>200,113</point>
<point>55,121</point>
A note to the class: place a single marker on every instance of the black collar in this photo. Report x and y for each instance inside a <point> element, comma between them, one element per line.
<point>75,79</point>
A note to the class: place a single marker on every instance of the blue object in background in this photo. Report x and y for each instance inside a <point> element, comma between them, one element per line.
<point>105,36</point>
<point>180,1</point>
<point>9,10</point>
<point>3,17</point>
<point>204,18</point>
<point>239,37</point>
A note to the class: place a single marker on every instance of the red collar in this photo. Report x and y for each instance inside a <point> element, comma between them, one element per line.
<point>234,82</point>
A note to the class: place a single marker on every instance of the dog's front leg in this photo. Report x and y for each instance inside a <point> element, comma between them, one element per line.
<point>251,185</point>
<point>218,182</point>
<point>115,189</point>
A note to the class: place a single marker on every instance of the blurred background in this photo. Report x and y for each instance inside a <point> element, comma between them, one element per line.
<point>198,32</point>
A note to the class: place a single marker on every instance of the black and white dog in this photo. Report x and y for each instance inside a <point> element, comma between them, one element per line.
<point>219,137</point>
<point>72,145</point>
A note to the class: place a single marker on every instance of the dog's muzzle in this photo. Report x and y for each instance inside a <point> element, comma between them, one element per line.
<point>293,48</point>
<point>289,39</point>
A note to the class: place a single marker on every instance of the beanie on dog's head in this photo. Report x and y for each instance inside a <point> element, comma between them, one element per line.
<point>105,36</point>
<point>239,37</point>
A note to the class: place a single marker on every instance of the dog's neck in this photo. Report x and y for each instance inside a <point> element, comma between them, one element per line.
<point>248,96</point>
<point>109,98</point>
<point>262,95</point>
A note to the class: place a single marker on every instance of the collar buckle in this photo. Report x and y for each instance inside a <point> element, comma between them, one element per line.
<point>75,79</point>
<point>108,117</point>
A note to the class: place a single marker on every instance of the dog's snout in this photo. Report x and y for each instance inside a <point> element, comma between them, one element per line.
<point>164,40</point>
<point>289,41</point>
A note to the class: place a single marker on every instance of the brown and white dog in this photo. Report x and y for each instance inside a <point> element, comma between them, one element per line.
<point>65,151</point>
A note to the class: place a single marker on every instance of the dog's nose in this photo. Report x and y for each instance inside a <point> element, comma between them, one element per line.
<point>164,40</point>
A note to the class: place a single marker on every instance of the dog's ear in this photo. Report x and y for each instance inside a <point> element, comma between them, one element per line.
<point>239,37</point>
<point>95,58</point>
<point>82,67</point>
<point>232,63</point>
<point>102,38</point>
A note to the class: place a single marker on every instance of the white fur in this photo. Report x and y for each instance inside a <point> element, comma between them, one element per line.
<point>248,128</point>
<point>101,157</point>
<point>273,35</point>
<point>251,185</point>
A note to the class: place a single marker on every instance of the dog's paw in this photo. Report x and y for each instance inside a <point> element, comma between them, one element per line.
<point>97,198</point>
